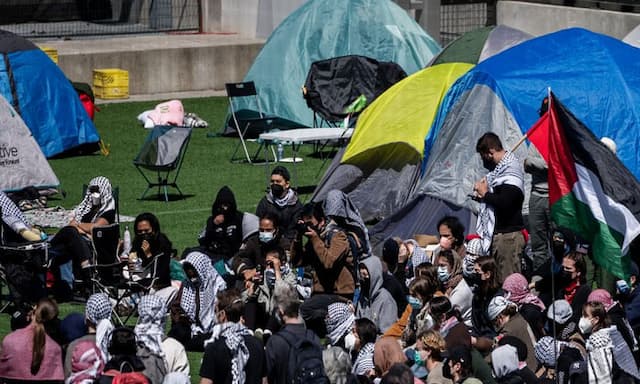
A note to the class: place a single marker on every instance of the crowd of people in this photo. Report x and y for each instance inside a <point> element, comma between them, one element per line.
<point>296,293</point>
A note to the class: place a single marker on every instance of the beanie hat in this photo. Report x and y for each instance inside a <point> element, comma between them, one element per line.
<point>560,311</point>
<point>496,306</point>
<point>602,296</point>
<point>339,321</point>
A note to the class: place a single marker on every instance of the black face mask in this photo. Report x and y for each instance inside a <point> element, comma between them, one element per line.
<point>195,281</point>
<point>566,277</point>
<point>277,190</point>
<point>475,279</point>
<point>488,164</point>
<point>365,284</point>
<point>147,236</point>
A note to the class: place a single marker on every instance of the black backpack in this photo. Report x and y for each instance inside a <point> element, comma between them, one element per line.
<point>305,359</point>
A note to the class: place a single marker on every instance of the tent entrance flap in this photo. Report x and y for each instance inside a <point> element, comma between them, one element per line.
<point>163,153</point>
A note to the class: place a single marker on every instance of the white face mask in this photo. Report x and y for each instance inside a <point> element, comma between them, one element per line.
<point>585,325</point>
<point>443,274</point>
<point>350,341</point>
<point>95,198</point>
<point>446,243</point>
<point>265,237</point>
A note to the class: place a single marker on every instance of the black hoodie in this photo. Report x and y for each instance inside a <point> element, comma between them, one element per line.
<point>223,240</point>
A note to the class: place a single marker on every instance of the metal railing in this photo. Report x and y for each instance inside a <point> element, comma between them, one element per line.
<point>460,16</point>
<point>73,18</point>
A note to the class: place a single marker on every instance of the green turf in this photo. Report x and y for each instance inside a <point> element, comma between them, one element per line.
<point>206,169</point>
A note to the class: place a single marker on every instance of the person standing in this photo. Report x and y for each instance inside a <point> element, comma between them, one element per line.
<point>501,194</point>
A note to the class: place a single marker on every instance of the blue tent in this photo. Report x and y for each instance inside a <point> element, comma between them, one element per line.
<point>45,99</point>
<point>324,29</point>
<point>595,76</point>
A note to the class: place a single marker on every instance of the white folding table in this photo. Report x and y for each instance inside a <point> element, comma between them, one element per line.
<point>297,137</point>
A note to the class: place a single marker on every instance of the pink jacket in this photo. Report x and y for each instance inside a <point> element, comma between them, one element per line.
<point>15,358</point>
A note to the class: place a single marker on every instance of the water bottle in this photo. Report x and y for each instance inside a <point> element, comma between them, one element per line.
<point>126,246</point>
<point>280,151</point>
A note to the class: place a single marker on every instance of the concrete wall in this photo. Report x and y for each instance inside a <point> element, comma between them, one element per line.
<point>162,64</point>
<point>539,19</point>
<point>249,18</point>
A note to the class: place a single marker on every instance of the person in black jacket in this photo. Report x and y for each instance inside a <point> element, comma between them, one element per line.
<point>155,250</point>
<point>222,236</point>
<point>269,235</point>
<point>281,201</point>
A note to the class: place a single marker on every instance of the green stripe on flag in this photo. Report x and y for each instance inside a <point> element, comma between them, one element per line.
<point>571,213</point>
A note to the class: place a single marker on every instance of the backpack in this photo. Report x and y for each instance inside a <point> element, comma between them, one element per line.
<point>127,377</point>
<point>305,359</point>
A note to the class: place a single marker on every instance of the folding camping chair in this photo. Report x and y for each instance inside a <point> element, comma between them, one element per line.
<point>248,128</point>
<point>163,152</point>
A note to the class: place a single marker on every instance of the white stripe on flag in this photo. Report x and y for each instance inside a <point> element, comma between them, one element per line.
<point>589,191</point>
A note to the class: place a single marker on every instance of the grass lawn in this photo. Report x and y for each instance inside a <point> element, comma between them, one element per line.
<point>205,170</point>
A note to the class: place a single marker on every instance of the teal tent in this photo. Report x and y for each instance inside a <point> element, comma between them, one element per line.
<point>323,29</point>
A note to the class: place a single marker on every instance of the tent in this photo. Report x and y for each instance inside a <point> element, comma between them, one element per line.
<point>22,163</point>
<point>633,37</point>
<point>323,29</point>
<point>596,76</point>
<point>480,44</point>
<point>386,149</point>
<point>39,91</point>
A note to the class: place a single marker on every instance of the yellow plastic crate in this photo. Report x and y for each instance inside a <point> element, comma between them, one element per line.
<point>51,52</point>
<point>111,83</point>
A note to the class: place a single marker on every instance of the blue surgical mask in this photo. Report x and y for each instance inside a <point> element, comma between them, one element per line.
<point>414,302</point>
<point>417,359</point>
<point>443,274</point>
<point>265,237</point>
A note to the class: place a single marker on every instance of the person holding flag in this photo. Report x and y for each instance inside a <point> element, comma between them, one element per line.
<point>501,194</point>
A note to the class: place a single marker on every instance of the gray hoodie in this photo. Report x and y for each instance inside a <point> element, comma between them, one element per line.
<point>376,305</point>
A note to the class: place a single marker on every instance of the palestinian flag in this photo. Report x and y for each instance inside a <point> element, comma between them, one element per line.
<point>590,191</point>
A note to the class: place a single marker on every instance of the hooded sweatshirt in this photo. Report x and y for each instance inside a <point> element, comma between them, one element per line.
<point>376,304</point>
<point>287,213</point>
<point>223,240</point>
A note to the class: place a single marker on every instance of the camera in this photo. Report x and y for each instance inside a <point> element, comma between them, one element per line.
<point>301,228</point>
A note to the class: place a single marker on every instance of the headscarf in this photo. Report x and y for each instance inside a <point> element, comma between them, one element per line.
<point>86,363</point>
<point>12,215</point>
<point>364,360</point>
<point>544,350</point>
<point>339,321</point>
<point>150,327</point>
<point>337,204</point>
<point>474,250</point>
<point>602,296</point>
<point>386,352</point>
<point>504,360</point>
<point>98,311</point>
<point>516,288</point>
<point>211,283</point>
<point>233,334</point>
<point>107,202</point>
<point>508,171</point>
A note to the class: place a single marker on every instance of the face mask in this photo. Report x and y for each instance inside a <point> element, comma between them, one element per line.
<point>277,190</point>
<point>428,322</point>
<point>488,164</point>
<point>195,281</point>
<point>443,274</point>
<point>585,325</point>
<point>364,287</point>
<point>446,243</point>
<point>475,279</point>
<point>350,341</point>
<point>95,198</point>
<point>265,237</point>
<point>146,236</point>
<point>567,276</point>
<point>417,359</point>
<point>414,302</point>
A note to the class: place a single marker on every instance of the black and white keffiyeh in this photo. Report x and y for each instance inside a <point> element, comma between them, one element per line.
<point>233,334</point>
<point>150,326</point>
<point>12,215</point>
<point>364,361</point>
<point>289,198</point>
<point>107,202</point>
<point>211,284</point>
<point>508,171</point>
<point>98,311</point>
<point>339,321</point>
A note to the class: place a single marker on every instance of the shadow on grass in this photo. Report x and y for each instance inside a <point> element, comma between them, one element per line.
<point>170,197</point>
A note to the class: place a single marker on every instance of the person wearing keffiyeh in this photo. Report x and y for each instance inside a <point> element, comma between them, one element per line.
<point>15,227</point>
<point>501,194</point>
<point>196,302</point>
<point>232,354</point>
<point>72,243</point>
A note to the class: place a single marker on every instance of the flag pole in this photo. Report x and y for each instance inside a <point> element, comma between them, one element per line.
<point>526,135</point>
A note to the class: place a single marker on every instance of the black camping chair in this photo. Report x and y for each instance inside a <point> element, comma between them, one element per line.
<point>248,128</point>
<point>163,152</point>
<point>333,84</point>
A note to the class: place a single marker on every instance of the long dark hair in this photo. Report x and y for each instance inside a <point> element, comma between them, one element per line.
<point>45,311</point>
<point>151,218</point>
<point>488,264</point>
